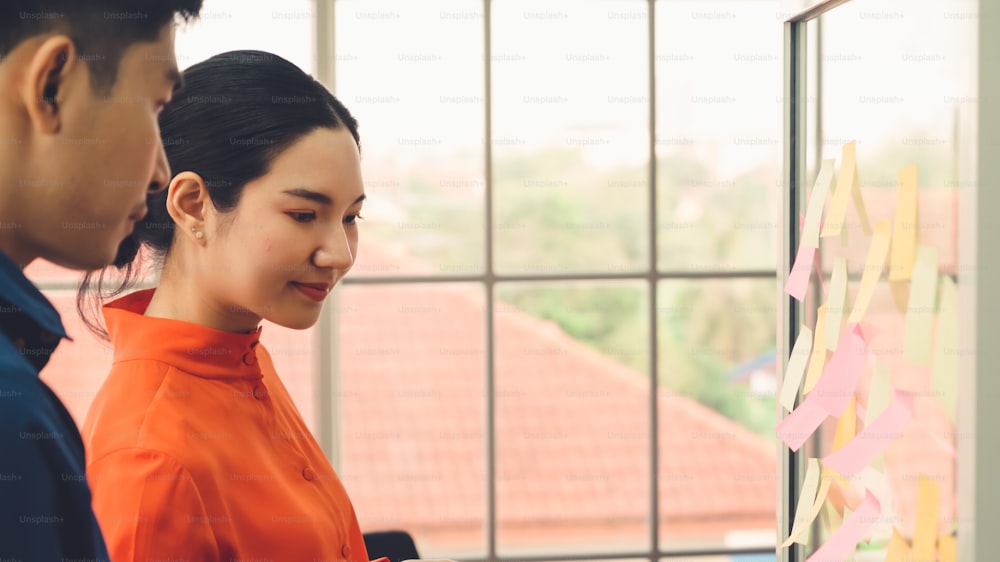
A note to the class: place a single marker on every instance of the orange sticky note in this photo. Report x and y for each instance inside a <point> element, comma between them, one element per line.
<point>818,357</point>
<point>947,548</point>
<point>904,236</point>
<point>925,532</point>
<point>837,212</point>
<point>898,549</point>
<point>877,252</point>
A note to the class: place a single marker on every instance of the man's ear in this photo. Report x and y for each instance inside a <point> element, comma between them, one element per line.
<point>45,81</point>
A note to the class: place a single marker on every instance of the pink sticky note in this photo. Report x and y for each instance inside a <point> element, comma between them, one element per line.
<point>801,423</point>
<point>841,375</point>
<point>819,273</point>
<point>845,540</point>
<point>798,277</point>
<point>853,457</point>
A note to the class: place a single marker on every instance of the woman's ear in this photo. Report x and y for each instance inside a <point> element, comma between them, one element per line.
<point>188,202</point>
<point>45,82</point>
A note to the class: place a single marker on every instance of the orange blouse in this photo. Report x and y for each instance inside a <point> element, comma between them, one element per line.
<point>196,452</point>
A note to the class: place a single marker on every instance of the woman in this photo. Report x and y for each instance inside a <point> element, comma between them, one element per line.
<point>195,449</point>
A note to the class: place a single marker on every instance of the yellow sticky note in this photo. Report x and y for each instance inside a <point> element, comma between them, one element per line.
<point>817,358</point>
<point>926,530</point>
<point>807,498</point>
<point>898,549</point>
<point>920,310</point>
<point>944,364</point>
<point>841,194</point>
<point>900,294</point>
<point>796,368</point>
<point>947,548</point>
<point>859,203</point>
<point>836,301</point>
<point>905,233</point>
<point>847,425</point>
<point>879,393</point>
<point>814,210</point>
<point>877,251</point>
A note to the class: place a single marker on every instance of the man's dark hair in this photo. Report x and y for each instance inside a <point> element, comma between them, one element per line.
<point>101,29</point>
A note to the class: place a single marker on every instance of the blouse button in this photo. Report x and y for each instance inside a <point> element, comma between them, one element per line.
<point>249,358</point>
<point>308,474</point>
<point>260,392</point>
<point>346,551</point>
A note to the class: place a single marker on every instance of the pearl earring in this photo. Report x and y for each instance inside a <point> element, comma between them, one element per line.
<point>197,233</point>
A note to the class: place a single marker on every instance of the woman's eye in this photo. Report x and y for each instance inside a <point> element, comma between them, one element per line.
<point>303,217</point>
<point>352,219</point>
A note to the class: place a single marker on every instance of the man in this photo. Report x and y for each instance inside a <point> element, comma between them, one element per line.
<point>81,85</point>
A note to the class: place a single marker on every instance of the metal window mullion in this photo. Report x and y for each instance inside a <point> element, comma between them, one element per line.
<point>489,283</point>
<point>654,409</point>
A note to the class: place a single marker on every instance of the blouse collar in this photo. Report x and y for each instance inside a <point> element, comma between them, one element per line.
<point>192,348</point>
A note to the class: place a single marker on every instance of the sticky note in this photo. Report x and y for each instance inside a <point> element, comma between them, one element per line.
<point>799,425</point>
<point>847,425</point>
<point>920,309</point>
<point>845,540</point>
<point>840,377</point>
<point>879,392</point>
<point>859,203</point>
<point>837,212</point>
<point>944,363</point>
<point>900,294</point>
<point>898,549</point>
<point>807,496</point>
<point>814,209</point>
<point>836,301</point>
<point>904,236</point>
<point>817,358</point>
<point>925,532</point>
<point>873,439</point>
<point>874,264</point>
<point>796,368</point>
<point>798,277</point>
<point>947,548</point>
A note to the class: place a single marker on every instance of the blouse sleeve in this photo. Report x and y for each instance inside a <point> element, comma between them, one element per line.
<point>149,508</point>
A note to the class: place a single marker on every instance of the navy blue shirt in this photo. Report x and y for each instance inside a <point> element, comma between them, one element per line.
<point>45,509</point>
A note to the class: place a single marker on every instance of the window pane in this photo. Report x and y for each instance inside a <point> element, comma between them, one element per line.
<point>718,145</point>
<point>570,135</point>
<point>412,74</point>
<point>286,29</point>
<point>572,403</point>
<point>413,409</point>
<point>921,114</point>
<point>716,357</point>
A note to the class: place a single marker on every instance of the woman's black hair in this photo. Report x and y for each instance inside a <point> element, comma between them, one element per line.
<point>235,113</point>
